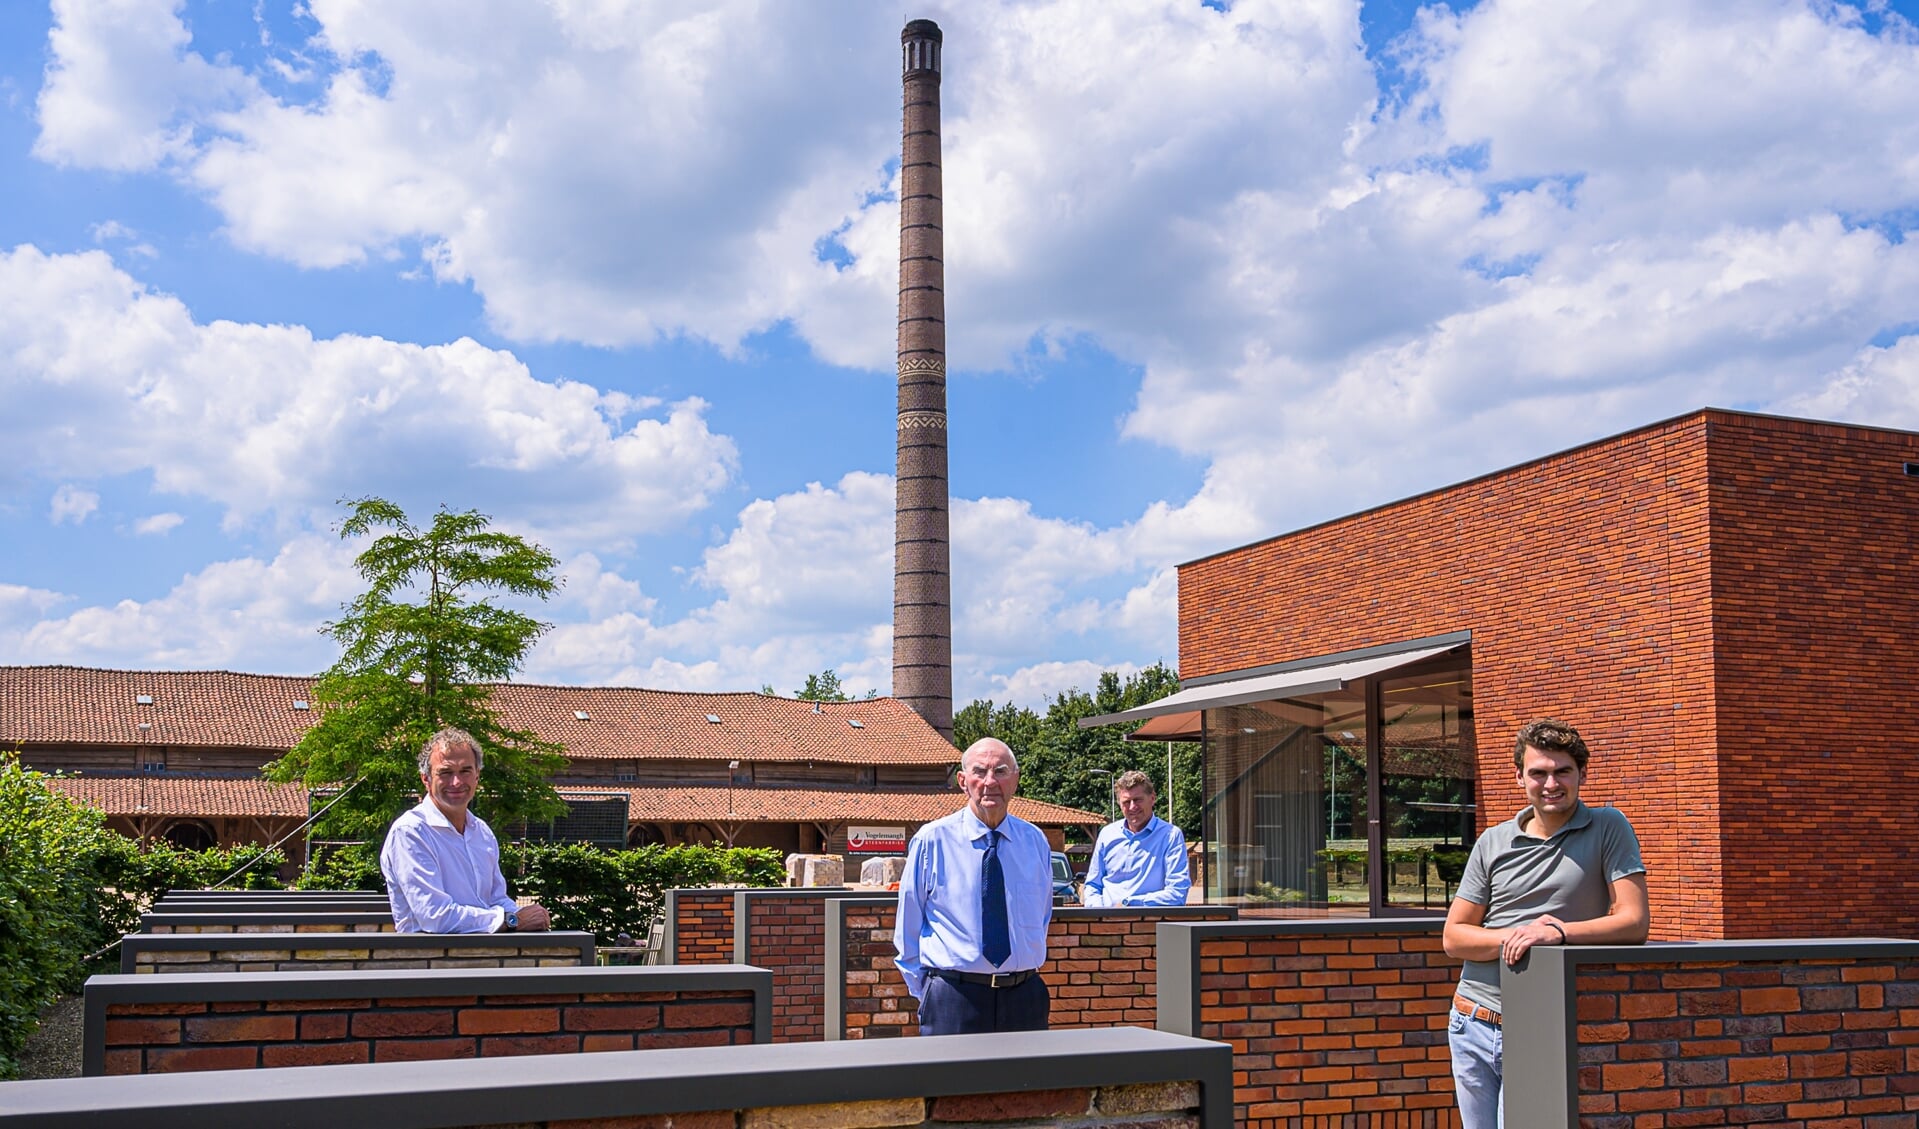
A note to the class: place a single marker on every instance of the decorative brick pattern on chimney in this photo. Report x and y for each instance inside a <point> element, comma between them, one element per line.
<point>922,585</point>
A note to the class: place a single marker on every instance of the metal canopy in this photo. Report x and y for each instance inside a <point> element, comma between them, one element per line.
<point>1177,717</point>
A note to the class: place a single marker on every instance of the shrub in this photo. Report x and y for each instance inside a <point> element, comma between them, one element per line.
<point>51,852</point>
<point>607,893</point>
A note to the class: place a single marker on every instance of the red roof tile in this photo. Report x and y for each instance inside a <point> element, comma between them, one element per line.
<point>184,795</point>
<point>50,705</point>
<point>824,805</point>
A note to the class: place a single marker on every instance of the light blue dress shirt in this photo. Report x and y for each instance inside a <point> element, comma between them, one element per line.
<point>939,916</point>
<point>1147,869</point>
<point>440,881</point>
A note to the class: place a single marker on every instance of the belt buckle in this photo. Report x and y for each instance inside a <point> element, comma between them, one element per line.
<point>994,982</point>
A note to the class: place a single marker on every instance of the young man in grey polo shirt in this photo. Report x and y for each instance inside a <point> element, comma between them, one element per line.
<point>1558,873</point>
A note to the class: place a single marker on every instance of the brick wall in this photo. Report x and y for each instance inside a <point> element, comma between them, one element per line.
<point>1702,597</point>
<point>143,954</point>
<point>1099,967</point>
<point>784,932</point>
<point>1158,1105</point>
<point>146,1024</point>
<point>1815,606</point>
<point>699,926</point>
<point>1786,1033</point>
<point>1332,1023</point>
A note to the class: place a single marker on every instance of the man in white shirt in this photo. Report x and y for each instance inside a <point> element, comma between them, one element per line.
<point>1140,860</point>
<point>975,903</point>
<point>441,862</point>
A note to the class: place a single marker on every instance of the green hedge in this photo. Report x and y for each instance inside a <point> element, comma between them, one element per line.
<point>602,892</point>
<point>69,887</point>
<point>49,901</point>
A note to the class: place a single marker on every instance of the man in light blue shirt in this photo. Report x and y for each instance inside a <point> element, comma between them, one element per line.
<point>1139,860</point>
<point>975,902</point>
<point>441,862</point>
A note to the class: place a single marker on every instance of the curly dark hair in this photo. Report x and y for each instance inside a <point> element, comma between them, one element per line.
<point>1550,735</point>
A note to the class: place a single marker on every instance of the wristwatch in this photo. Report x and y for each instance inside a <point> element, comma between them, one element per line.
<point>512,921</point>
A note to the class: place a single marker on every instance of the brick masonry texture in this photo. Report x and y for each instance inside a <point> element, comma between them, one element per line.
<point>1099,970</point>
<point>1172,1105</point>
<point>1703,597</point>
<point>787,936</point>
<point>1332,1030</point>
<point>1800,1044</point>
<point>243,1034</point>
<point>703,927</point>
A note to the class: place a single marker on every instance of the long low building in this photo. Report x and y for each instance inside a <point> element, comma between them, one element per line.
<point>176,755</point>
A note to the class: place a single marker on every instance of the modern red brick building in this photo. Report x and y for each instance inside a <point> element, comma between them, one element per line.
<point>177,755</point>
<point>1727,605</point>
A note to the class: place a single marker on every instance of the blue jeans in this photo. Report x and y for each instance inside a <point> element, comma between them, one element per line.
<point>1478,1076</point>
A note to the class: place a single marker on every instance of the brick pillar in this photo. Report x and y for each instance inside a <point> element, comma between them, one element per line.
<point>922,586</point>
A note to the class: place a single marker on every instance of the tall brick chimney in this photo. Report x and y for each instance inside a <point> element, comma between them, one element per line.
<point>922,585</point>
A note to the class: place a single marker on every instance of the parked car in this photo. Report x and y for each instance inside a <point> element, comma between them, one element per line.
<point>1064,892</point>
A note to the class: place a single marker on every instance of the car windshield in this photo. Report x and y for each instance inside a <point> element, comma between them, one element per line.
<point>1061,871</point>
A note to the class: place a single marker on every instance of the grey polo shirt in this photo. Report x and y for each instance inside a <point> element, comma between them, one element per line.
<point>1518,877</point>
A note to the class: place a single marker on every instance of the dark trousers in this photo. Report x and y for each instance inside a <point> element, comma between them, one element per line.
<point>955,1007</point>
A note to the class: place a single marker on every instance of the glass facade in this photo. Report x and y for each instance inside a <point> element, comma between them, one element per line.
<point>1291,783</point>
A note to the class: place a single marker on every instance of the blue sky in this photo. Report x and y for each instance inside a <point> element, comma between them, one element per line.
<point>622,276</point>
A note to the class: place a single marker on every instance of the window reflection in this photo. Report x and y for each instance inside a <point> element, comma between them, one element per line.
<point>1288,797</point>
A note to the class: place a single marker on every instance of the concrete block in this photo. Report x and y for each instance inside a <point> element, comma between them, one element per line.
<point>882,871</point>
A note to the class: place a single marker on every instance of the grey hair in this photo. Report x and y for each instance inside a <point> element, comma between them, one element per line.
<point>1133,778</point>
<point>449,739</point>
<point>986,743</point>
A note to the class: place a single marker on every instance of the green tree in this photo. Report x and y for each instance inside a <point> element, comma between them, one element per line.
<point>420,649</point>
<point>1064,764</point>
<point>823,687</point>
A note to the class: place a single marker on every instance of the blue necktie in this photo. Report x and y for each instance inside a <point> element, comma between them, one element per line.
<point>996,940</point>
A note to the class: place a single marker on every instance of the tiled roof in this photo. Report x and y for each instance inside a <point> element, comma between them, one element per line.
<point>81,705</point>
<point>825,805</point>
<point>226,796</point>
<point>184,795</point>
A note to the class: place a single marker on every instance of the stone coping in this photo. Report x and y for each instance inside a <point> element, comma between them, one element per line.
<point>292,915</point>
<point>1541,1017</point>
<point>631,1084</point>
<point>273,905</point>
<point>135,943</point>
<point>1176,945</point>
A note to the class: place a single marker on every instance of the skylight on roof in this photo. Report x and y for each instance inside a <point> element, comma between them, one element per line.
<point>714,718</point>
<point>856,723</point>
<point>581,715</point>
<point>143,699</point>
<point>301,704</point>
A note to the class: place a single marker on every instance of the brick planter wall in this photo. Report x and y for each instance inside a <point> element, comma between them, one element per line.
<point>699,927</point>
<point>180,953</point>
<point>1124,1077</point>
<point>1099,967</point>
<point>784,932</point>
<point>164,1024</point>
<point>1332,1023</point>
<point>1808,1033</point>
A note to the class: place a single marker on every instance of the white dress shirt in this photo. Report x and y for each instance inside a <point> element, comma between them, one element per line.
<point>440,881</point>
<point>939,925</point>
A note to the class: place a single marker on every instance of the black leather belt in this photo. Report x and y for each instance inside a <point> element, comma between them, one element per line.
<point>990,979</point>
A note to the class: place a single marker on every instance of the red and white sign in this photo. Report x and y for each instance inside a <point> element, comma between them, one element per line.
<point>876,840</point>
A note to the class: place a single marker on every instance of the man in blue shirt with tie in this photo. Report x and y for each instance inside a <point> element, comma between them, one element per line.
<point>1139,860</point>
<point>975,902</point>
